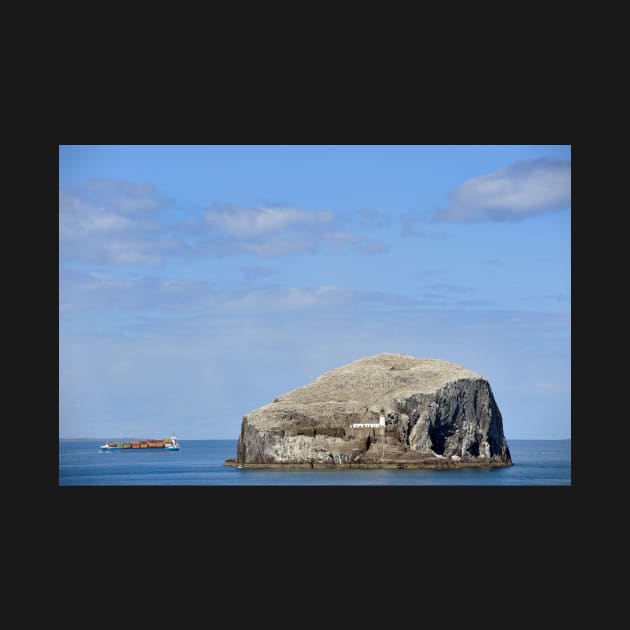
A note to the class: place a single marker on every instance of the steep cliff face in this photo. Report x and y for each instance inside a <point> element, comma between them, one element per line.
<point>438,414</point>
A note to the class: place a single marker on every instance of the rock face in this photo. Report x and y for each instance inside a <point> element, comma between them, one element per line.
<point>436,414</point>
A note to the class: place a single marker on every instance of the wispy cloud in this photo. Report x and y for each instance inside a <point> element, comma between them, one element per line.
<point>276,245</point>
<point>253,223</point>
<point>342,238</point>
<point>110,221</point>
<point>523,189</point>
<point>290,299</point>
<point>124,197</point>
<point>139,306</point>
<point>370,217</point>
<point>120,222</point>
<point>101,280</point>
<point>276,230</point>
<point>99,291</point>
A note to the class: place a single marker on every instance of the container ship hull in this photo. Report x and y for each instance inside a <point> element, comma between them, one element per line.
<point>169,444</point>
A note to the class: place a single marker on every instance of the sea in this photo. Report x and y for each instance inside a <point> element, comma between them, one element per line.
<point>201,463</point>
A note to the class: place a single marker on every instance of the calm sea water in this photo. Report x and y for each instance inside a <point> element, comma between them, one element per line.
<point>200,463</point>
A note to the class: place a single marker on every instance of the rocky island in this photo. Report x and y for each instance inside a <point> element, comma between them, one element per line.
<point>382,411</point>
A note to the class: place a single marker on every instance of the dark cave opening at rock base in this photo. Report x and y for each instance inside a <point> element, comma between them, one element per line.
<point>439,433</point>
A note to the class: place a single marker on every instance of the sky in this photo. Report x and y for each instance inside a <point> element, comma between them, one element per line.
<point>197,283</point>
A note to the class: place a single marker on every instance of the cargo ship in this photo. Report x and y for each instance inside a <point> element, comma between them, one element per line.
<point>169,444</point>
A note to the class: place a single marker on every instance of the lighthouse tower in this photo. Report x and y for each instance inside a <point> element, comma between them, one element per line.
<point>381,420</point>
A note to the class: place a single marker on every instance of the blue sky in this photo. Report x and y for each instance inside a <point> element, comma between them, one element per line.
<point>197,283</point>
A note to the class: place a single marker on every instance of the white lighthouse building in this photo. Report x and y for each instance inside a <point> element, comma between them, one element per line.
<point>371,425</point>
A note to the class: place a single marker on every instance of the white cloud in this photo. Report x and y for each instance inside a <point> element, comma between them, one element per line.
<point>175,298</point>
<point>105,222</point>
<point>332,298</point>
<point>110,221</point>
<point>277,245</point>
<point>123,196</point>
<point>102,280</point>
<point>291,299</point>
<point>279,230</point>
<point>97,291</point>
<point>247,223</point>
<point>117,222</point>
<point>342,238</point>
<point>525,188</point>
<point>132,252</point>
<point>81,219</point>
<point>98,224</point>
